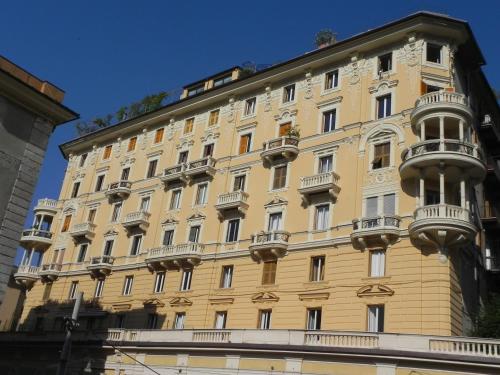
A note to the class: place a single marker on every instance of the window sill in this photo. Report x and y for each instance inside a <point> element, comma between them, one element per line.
<point>278,190</point>
<point>268,287</point>
<point>315,284</point>
<point>376,278</point>
<point>431,64</point>
<point>248,117</point>
<point>224,290</point>
<point>316,231</point>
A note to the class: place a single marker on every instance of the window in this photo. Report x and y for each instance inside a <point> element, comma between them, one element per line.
<point>120,321</point>
<point>269,272</point>
<point>194,233</point>
<point>66,223</point>
<point>317,272</point>
<point>222,80</point>
<point>76,187</point>
<point>289,93</point>
<point>314,319</point>
<point>83,158</point>
<point>376,318</point>
<point>108,247</point>
<point>136,244</point>
<point>82,253</point>
<point>125,174</point>
<point>377,263</point>
<point>325,164</point>
<point>226,279</point>
<point>383,106</point>
<point>279,179</point>
<point>389,204</point>
<point>381,155</point>
<point>131,144</point>
<point>196,90</point>
<point>186,279</point>
<point>434,53</point>
<point>275,221</point>
<point>329,119</point>
<point>265,319</point>
<point>250,106</point>
<point>208,150</point>
<point>99,287</point>
<point>180,317</point>
<point>321,217</point>
<point>73,289</point>
<point>168,237</point>
<point>159,135</point>
<point>107,152</point>
<point>117,209</point>
<point>127,285</point>
<point>152,168</point>
<point>175,199</point>
<point>233,227</point>
<point>239,183</point>
<point>385,63</point>
<point>220,320</point>
<point>99,182</point>
<point>152,321</point>
<point>183,157</point>
<point>46,292</point>
<point>284,129</point>
<point>331,79</point>
<point>201,193</point>
<point>431,197</point>
<point>213,118</point>
<point>145,204</point>
<point>188,125</point>
<point>159,282</point>
<point>245,143</point>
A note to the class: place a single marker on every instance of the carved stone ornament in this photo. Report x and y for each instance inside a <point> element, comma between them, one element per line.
<point>276,201</point>
<point>144,139</point>
<point>374,290</point>
<point>93,155</point>
<point>308,94</point>
<point>110,233</point>
<point>264,297</point>
<point>314,296</point>
<point>153,303</point>
<point>118,147</point>
<point>230,113</point>
<point>127,161</point>
<point>170,220</point>
<point>286,114</point>
<point>354,70</point>
<point>267,101</point>
<point>78,175</point>
<point>121,306</point>
<point>197,215</point>
<point>210,134</point>
<point>387,175</point>
<point>185,144</point>
<point>180,301</point>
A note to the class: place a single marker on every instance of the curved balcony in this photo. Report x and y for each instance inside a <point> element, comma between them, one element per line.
<point>138,219</point>
<point>83,231</point>
<point>36,239</point>
<point>175,174</point>
<point>27,275</point>
<point>442,225</point>
<point>320,183</point>
<point>204,166</point>
<point>46,205</point>
<point>269,245</point>
<point>50,272</point>
<point>441,102</point>
<point>100,266</point>
<point>465,156</point>
<point>119,189</point>
<point>377,231</point>
<point>231,201</point>
<point>169,256</point>
<point>287,147</point>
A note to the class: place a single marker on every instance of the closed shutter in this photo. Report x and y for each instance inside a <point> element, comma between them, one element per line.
<point>284,128</point>
<point>390,204</point>
<point>279,177</point>
<point>131,144</point>
<point>269,272</point>
<point>371,207</point>
<point>66,224</point>
<point>244,143</point>
<point>159,135</point>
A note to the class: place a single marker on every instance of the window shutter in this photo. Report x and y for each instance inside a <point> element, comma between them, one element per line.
<point>390,204</point>
<point>67,222</point>
<point>159,135</point>
<point>371,207</point>
<point>284,128</point>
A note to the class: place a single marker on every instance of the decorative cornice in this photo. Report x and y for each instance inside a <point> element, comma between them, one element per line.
<point>374,290</point>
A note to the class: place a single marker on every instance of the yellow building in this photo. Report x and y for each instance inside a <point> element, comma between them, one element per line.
<point>341,190</point>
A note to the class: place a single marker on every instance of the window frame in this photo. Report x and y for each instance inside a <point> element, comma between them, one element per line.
<point>381,270</point>
<point>384,157</point>
<point>217,122</point>
<point>99,288</point>
<point>173,193</point>
<point>327,224</point>
<point>187,121</point>
<point>265,324</point>
<point>158,131</point>
<point>323,117</point>
<point>285,186</point>
<point>186,280</point>
<point>235,235</point>
<point>224,284</point>
<point>128,284</point>
<point>390,95</point>
<point>135,250</point>
<point>204,201</point>
<point>222,314</point>
<point>85,247</point>
<point>106,155</point>
<point>179,320</point>
<point>379,63</point>
<point>151,162</point>
<point>441,53</point>
<point>315,277</point>
<point>116,218</point>
<point>317,322</point>
<point>132,144</point>
<point>75,189</point>
<point>99,183</point>
<point>73,289</point>
<point>249,143</point>
<point>245,113</point>
<point>83,160</point>
<point>159,283</point>
<point>334,87</point>
<point>285,95</point>
<point>269,272</point>
<point>380,319</point>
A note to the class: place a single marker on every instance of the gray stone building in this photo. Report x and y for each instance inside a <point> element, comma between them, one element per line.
<point>29,110</point>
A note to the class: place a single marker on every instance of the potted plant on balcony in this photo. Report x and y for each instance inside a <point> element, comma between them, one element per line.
<point>294,131</point>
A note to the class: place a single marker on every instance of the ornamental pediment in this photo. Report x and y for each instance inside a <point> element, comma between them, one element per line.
<point>265,297</point>
<point>374,290</point>
<point>180,301</point>
<point>153,303</point>
<point>276,201</point>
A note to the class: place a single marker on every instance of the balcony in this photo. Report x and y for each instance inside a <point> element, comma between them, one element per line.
<point>85,231</point>
<point>100,266</point>
<point>441,102</point>
<point>233,200</point>
<point>175,174</point>
<point>139,219</point>
<point>36,239</point>
<point>269,245</point>
<point>27,275</point>
<point>50,272</point>
<point>175,256</point>
<point>119,189</point>
<point>47,205</point>
<point>463,155</point>
<point>442,225</point>
<point>320,183</point>
<point>200,167</point>
<point>287,147</point>
<point>375,231</point>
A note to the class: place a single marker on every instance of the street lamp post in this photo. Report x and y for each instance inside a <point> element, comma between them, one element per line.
<point>70,324</point>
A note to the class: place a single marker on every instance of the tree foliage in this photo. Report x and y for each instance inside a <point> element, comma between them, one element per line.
<point>488,322</point>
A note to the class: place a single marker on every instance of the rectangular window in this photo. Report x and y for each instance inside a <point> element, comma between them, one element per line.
<point>188,125</point>
<point>376,318</point>
<point>108,247</point>
<point>127,285</point>
<point>76,187</point>
<point>83,159</point>
<point>46,291</point>
<point>168,237</point>
<point>136,244</point>
<point>245,143</point>
<point>152,168</point>
<point>313,319</point>
<point>317,272</point>
<point>208,150</point>
<point>201,194</point>
<point>289,93</point>
<point>194,233</point>
<point>321,217</point>
<point>175,199</point>
<point>120,321</point>
<point>371,208</point>
<point>325,164</point>
<point>239,183</point>
<point>275,221</point>
<point>384,106</point>
<point>332,79</point>
<point>73,290</point>
<point>431,197</point>
<point>265,319</point>
<point>99,287</point>
<point>183,157</point>
<point>99,182</point>
<point>82,253</point>
<point>66,223</point>
<point>226,279</point>
<point>250,106</point>
<point>279,178</point>
<point>159,135</point>
<point>385,63</point>
<point>131,144</point>
<point>187,274</point>
<point>125,174</point>
<point>222,80</point>
<point>91,215</point>
<point>381,155</point>
<point>220,320</point>
<point>377,263</point>
<point>159,282</point>
<point>269,272</point>
<point>434,53</point>
<point>117,209</point>
<point>233,227</point>
<point>152,321</point>
<point>180,317</point>
<point>390,204</point>
<point>107,152</point>
<point>196,90</point>
<point>213,118</point>
<point>329,120</point>
<point>284,129</point>
<point>145,204</point>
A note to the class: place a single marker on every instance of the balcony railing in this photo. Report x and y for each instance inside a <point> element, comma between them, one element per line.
<point>287,146</point>
<point>234,199</point>
<point>368,223</point>
<point>51,267</point>
<point>175,254</point>
<point>85,229</point>
<point>36,238</point>
<point>270,237</point>
<point>442,211</point>
<point>120,188</point>
<point>204,165</point>
<point>441,100</point>
<point>137,219</point>
<point>268,244</point>
<point>380,230</point>
<point>27,275</point>
<point>445,145</point>
<point>442,97</point>
<point>106,260</point>
<point>46,204</point>
<point>328,181</point>
<point>37,233</point>
<point>28,270</point>
<point>175,173</point>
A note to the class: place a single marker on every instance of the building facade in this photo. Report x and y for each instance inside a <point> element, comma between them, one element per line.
<point>341,191</point>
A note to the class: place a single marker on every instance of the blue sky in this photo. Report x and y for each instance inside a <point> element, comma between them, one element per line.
<point>105,54</point>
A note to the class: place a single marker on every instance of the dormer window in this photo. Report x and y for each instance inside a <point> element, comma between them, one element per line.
<point>196,90</point>
<point>385,63</point>
<point>434,53</point>
<point>222,80</point>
